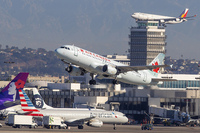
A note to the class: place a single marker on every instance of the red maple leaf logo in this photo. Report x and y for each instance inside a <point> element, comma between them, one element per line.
<point>156,69</point>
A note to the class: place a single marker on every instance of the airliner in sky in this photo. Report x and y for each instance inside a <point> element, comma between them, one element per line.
<point>81,61</point>
<point>163,19</point>
<point>9,95</point>
<point>94,118</point>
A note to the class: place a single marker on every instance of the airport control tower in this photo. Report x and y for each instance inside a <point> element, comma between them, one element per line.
<point>147,40</point>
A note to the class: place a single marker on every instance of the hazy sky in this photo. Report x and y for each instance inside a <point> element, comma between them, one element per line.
<point>101,26</point>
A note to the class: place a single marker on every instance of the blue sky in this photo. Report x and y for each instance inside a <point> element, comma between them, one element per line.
<point>101,26</point>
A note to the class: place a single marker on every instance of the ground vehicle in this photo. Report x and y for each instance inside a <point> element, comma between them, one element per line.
<point>17,121</point>
<point>53,122</point>
<point>147,127</point>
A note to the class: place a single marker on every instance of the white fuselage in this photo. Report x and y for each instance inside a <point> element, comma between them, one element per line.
<point>74,116</point>
<point>91,62</point>
<point>152,17</point>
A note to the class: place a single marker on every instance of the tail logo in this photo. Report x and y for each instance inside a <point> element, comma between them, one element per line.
<point>19,84</point>
<point>156,69</point>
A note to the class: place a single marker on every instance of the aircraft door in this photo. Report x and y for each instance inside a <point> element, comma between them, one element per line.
<point>145,77</point>
<point>75,51</point>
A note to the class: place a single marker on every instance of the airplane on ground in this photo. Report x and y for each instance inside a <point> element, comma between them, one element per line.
<point>9,96</point>
<point>81,61</point>
<point>39,103</point>
<point>163,19</point>
<point>94,118</point>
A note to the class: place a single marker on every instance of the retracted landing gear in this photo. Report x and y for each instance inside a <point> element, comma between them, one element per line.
<point>92,81</point>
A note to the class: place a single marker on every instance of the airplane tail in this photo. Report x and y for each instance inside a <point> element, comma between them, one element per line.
<point>38,100</point>
<point>27,106</point>
<point>157,61</point>
<point>9,95</point>
<point>184,13</point>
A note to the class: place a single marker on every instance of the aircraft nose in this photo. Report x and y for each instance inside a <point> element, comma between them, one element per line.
<point>58,52</point>
<point>125,119</point>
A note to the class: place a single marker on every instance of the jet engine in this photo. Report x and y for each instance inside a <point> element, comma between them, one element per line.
<point>162,21</point>
<point>74,71</point>
<point>109,70</point>
<point>95,123</point>
<point>177,19</point>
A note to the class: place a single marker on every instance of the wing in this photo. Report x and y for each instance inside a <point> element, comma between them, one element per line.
<point>80,120</point>
<point>123,69</point>
<point>162,79</point>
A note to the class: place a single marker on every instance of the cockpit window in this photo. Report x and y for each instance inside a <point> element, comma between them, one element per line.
<point>65,47</point>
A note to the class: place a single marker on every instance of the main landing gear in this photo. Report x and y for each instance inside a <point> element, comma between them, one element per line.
<point>114,126</point>
<point>115,82</point>
<point>92,81</point>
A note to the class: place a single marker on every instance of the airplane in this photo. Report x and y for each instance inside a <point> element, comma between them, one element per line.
<point>39,103</point>
<point>94,118</point>
<point>81,61</point>
<point>9,96</point>
<point>163,19</point>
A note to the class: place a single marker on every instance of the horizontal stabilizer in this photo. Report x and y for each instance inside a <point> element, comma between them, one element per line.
<point>123,69</point>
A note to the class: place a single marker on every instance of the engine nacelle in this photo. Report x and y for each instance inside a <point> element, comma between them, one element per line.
<point>162,21</point>
<point>74,71</point>
<point>109,70</point>
<point>95,123</point>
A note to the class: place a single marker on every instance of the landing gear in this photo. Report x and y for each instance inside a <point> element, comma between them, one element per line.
<point>114,126</point>
<point>115,81</point>
<point>92,81</point>
<point>80,126</point>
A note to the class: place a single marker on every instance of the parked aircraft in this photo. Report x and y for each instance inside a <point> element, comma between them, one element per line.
<point>94,118</point>
<point>9,95</point>
<point>163,19</point>
<point>81,61</point>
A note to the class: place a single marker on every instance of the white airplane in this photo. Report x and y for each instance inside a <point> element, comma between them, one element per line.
<point>81,61</point>
<point>162,19</point>
<point>94,118</point>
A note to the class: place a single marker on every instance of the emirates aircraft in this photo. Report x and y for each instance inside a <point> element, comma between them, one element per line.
<point>81,61</point>
<point>163,19</point>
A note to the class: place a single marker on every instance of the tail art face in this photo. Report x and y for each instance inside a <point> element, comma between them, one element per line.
<point>9,95</point>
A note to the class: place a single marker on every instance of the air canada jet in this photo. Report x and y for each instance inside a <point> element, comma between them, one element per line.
<point>94,118</point>
<point>81,61</point>
<point>163,19</point>
<point>9,95</point>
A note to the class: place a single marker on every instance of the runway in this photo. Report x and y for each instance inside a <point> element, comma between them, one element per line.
<point>105,129</point>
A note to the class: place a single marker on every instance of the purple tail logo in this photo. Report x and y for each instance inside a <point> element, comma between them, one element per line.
<point>9,95</point>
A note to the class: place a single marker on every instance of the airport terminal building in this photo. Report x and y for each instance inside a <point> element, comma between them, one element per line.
<point>133,101</point>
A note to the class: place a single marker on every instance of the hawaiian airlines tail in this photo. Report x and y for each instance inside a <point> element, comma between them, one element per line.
<point>157,61</point>
<point>9,95</point>
<point>184,13</point>
<point>27,106</point>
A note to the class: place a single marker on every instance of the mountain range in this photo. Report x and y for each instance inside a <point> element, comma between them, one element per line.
<point>101,26</point>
